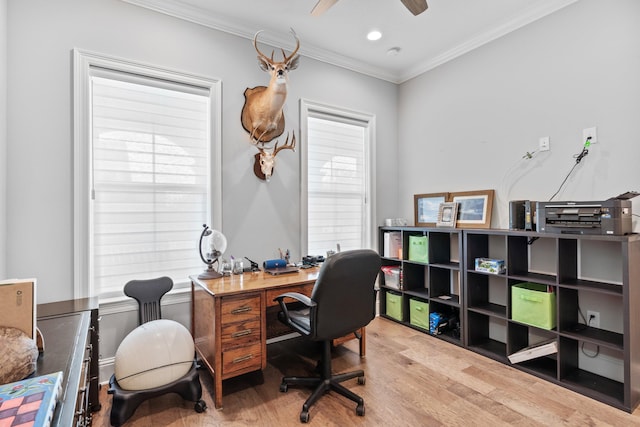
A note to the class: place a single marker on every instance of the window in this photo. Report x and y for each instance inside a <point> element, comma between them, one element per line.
<point>145,173</point>
<point>337,178</point>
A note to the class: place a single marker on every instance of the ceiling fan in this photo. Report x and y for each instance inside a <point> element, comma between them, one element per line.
<point>415,6</point>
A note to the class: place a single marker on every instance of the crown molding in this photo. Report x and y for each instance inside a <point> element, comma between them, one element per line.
<point>518,21</point>
<point>200,16</point>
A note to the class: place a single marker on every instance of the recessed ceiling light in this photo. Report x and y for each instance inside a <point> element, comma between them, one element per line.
<point>374,35</point>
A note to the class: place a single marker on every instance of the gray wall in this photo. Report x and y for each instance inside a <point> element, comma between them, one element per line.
<point>3,136</point>
<point>462,126</point>
<point>258,217</point>
<point>466,124</point>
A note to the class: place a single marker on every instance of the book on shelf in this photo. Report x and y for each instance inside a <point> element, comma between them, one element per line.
<point>30,402</point>
<point>544,348</point>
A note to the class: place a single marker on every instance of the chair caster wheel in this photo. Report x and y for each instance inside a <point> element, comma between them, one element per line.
<point>360,410</point>
<point>304,417</point>
<point>200,406</point>
<point>361,380</point>
<point>284,387</point>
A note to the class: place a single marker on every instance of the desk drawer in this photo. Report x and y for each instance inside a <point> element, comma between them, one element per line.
<point>240,309</point>
<point>242,359</point>
<point>240,334</point>
<point>301,289</point>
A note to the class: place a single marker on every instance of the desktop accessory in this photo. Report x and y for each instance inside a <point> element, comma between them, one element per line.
<point>312,260</point>
<point>274,263</point>
<point>278,266</point>
<point>254,265</point>
<point>217,244</point>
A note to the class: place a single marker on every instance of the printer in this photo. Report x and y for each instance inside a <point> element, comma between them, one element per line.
<point>609,217</point>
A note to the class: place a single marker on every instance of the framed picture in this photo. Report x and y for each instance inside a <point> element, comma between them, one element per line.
<point>474,208</point>
<point>426,208</point>
<point>447,214</point>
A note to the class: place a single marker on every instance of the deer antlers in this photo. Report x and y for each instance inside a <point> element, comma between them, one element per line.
<point>287,61</point>
<point>265,160</point>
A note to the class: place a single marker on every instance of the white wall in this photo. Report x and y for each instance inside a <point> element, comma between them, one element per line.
<point>258,217</point>
<point>3,136</point>
<point>466,124</point>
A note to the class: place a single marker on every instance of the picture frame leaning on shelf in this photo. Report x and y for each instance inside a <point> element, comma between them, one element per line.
<point>474,208</point>
<point>426,208</point>
<point>447,214</point>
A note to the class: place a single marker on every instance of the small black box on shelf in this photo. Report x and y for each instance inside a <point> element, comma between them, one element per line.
<point>522,215</point>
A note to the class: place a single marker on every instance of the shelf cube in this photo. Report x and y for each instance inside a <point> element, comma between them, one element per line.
<point>394,306</point>
<point>419,313</point>
<point>533,304</point>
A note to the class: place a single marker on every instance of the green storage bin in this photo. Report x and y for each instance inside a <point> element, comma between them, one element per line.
<point>419,249</point>
<point>394,306</point>
<point>532,304</point>
<point>419,313</point>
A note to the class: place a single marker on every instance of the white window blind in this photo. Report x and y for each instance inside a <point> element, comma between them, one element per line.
<point>149,179</point>
<point>337,174</point>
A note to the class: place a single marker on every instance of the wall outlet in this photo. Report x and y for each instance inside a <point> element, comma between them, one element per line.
<point>590,132</point>
<point>593,319</point>
<point>544,143</point>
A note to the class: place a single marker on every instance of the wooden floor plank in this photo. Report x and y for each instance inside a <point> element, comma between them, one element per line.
<point>412,379</point>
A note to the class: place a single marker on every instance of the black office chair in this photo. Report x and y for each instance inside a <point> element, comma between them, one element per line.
<point>342,301</point>
<point>148,294</point>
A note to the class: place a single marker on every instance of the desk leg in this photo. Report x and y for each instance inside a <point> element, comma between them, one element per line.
<point>217,385</point>
<point>363,342</point>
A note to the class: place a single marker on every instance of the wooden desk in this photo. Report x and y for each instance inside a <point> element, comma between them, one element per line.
<point>231,320</point>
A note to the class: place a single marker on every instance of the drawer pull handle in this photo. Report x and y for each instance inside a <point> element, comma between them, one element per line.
<point>243,358</point>
<point>241,310</point>
<point>241,333</point>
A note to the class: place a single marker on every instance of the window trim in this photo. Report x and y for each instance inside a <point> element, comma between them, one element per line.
<point>309,108</point>
<point>83,62</point>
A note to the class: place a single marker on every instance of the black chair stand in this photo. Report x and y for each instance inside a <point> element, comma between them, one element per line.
<point>342,301</point>
<point>125,402</point>
<point>148,294</point>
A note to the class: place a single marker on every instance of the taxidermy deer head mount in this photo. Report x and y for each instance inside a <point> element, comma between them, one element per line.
<point>265,160</point>
<point>262,111</point>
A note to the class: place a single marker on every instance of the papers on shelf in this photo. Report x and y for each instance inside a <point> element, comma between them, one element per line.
<point>537,350</point>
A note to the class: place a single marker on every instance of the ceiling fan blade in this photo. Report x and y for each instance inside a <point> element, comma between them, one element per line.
<point>322,6</point>
<point>415,6</point>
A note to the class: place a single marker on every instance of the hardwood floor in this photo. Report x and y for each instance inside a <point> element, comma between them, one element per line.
<point>411,380</point>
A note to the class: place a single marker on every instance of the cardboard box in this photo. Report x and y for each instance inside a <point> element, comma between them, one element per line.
<point>488,265</point>
<point>18,305</point>
<point>533,304</point>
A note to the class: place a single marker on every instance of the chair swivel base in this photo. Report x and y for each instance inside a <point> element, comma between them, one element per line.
<point>324,384</point>
<point>125,402</point>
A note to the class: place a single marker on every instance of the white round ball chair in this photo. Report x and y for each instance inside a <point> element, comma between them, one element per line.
<point>154,354</point>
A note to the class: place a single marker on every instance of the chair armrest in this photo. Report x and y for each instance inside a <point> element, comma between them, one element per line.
<point>296,296</point>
